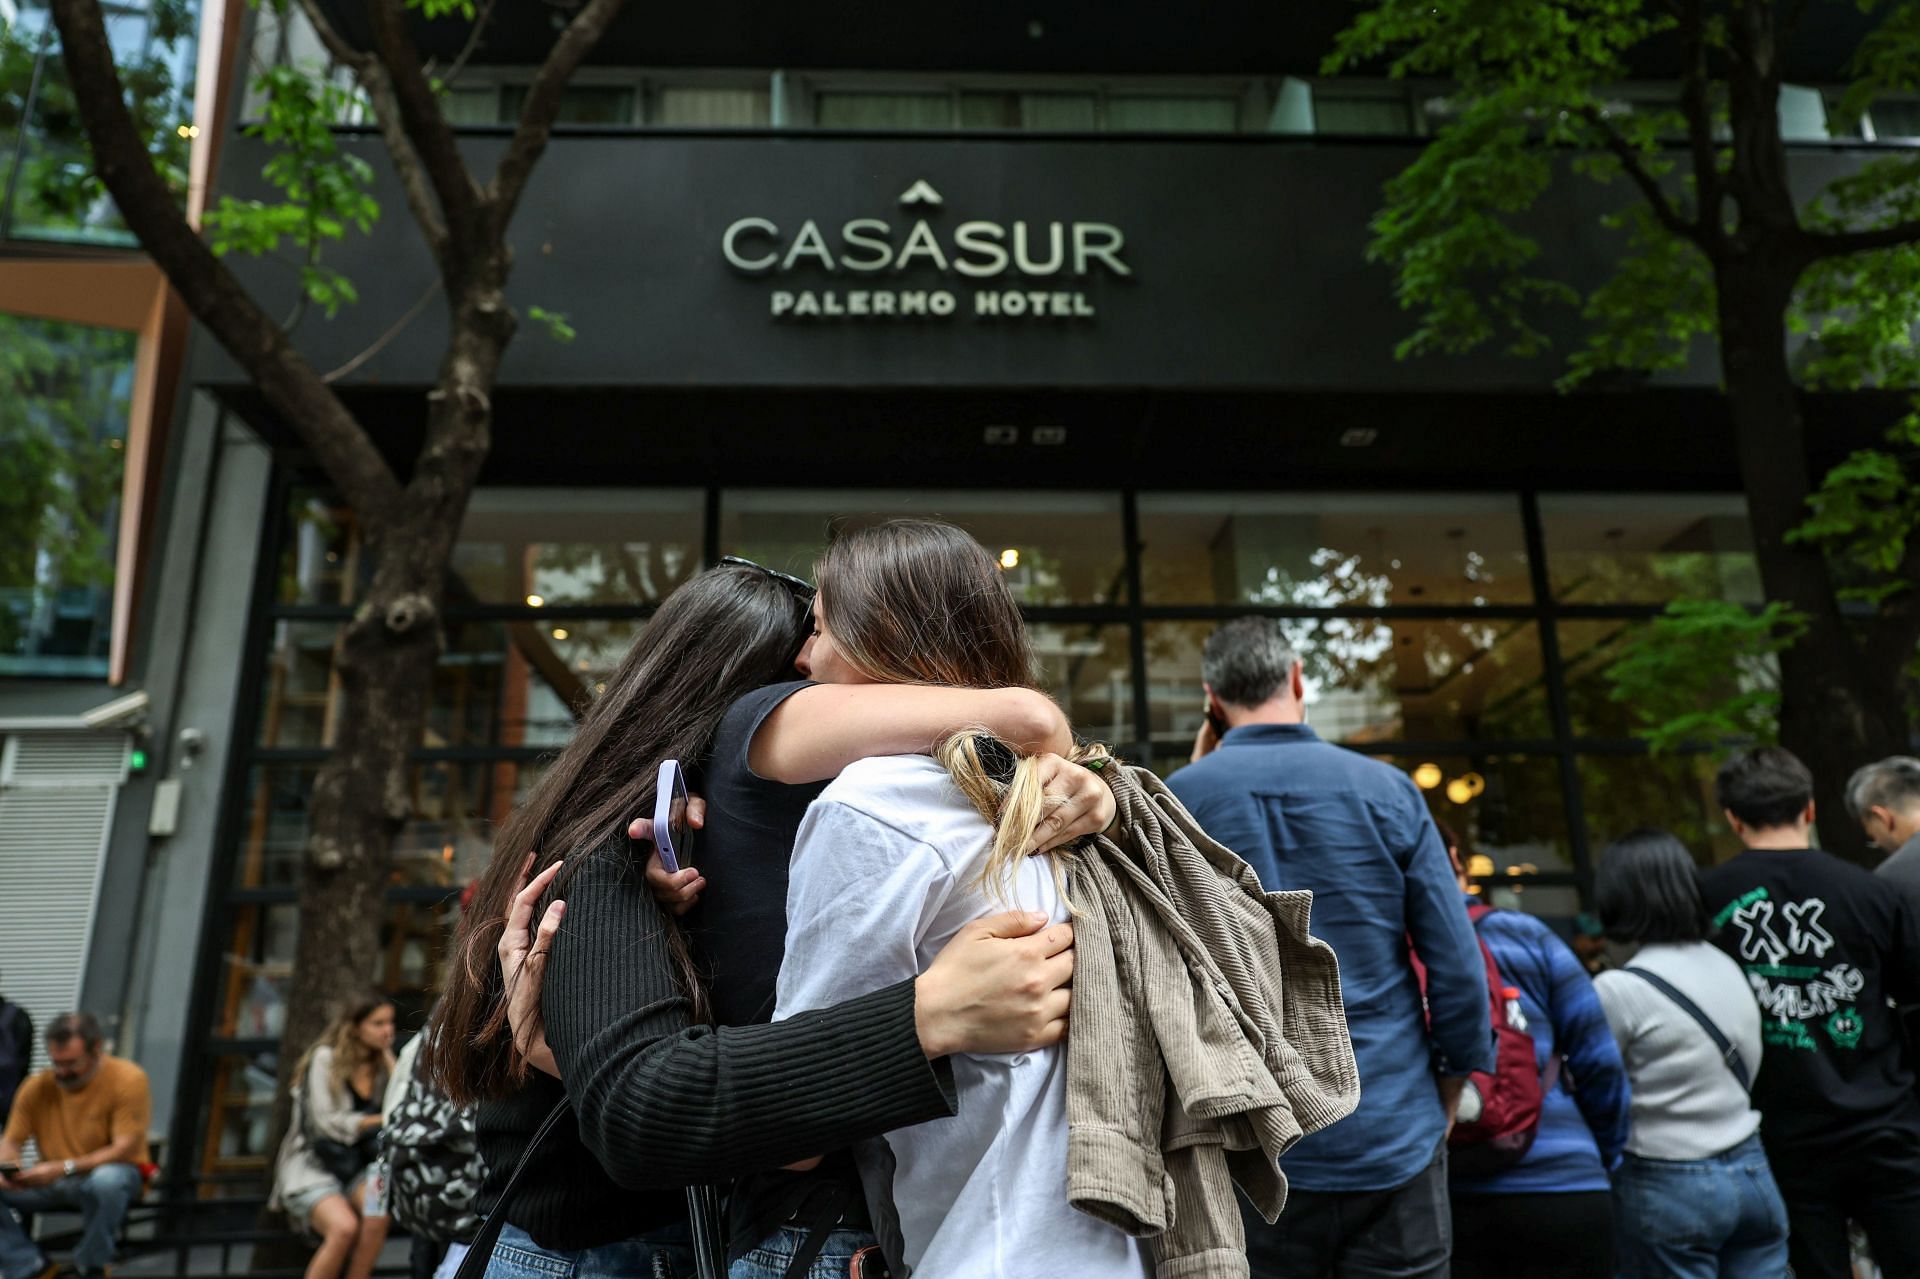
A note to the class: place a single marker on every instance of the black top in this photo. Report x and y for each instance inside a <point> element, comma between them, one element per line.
<point>740,932</point>
<point>1825,945</point>
<point>740,926</point>
<point>660,1103</point>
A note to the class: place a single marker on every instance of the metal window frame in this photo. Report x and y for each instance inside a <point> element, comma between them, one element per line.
<point>1131,613</point>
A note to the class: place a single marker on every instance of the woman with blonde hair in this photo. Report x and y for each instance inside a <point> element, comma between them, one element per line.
<point>325,1178</point>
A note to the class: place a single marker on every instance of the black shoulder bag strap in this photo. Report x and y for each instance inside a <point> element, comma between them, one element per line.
<point>1728,1052</point>
<point>702,1208</point>
<point>480,1252</point>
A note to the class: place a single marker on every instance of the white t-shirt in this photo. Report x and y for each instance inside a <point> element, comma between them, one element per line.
<point>882,879</point>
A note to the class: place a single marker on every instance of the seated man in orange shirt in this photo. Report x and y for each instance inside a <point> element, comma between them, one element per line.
<point>87,1114</point>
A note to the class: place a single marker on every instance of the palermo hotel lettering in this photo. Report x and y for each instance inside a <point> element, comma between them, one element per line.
<point>877,270</point>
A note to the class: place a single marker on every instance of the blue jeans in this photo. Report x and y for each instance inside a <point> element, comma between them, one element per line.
<point>101,1197</point>
<point>517,1256</point>
<point>1715,1218</point>
<point>769,1260</point>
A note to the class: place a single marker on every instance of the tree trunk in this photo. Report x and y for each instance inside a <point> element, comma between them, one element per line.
<point>1838,711</point>
<point>386,660</point>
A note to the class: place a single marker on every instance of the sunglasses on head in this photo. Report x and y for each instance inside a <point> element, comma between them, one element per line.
<point>802,589</point>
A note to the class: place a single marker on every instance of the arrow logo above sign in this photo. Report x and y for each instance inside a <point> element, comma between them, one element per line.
<point>921,192</point>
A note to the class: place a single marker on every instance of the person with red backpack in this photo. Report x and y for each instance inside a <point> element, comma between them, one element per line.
<point>1534,1139</point>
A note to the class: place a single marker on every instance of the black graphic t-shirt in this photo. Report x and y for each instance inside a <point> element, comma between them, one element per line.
<point>1825,946</point>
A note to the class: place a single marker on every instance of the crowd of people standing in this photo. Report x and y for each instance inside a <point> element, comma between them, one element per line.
<point>834,1039</point>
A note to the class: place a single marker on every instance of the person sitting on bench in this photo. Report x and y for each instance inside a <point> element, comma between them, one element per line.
<point>87,1114</point>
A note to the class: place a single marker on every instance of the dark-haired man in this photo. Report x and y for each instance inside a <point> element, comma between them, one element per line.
<point>1825,945</point>
<point>87,1113</point>
<point>1368,1194</point>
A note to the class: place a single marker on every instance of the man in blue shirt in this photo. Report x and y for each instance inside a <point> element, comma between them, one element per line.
<point>1369,1194</point>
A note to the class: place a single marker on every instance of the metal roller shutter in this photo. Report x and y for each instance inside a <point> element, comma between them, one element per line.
<point>57,792</point>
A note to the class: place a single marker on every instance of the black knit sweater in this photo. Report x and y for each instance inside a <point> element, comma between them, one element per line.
<point>659,1102</point>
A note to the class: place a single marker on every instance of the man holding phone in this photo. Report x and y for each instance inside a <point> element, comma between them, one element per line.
<point>1369,1194</point>
<point>87,1114</point>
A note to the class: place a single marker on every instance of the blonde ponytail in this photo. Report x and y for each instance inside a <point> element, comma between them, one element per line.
<point>1014,804</point>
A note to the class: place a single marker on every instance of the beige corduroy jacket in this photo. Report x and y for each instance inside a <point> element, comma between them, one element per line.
<point>1208,1034</point>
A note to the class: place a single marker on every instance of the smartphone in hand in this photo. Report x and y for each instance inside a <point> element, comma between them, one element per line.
<point>673,835</point>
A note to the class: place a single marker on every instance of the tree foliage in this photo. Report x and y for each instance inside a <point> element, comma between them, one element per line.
<point>63,413</point>
<point>1697,201</point>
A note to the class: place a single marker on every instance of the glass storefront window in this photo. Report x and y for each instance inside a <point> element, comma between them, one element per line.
<point>256,970</point>
<point>1333,550</point>
<point>1507,808</point>
<point>1172,113</point>
<point>579,103</point>
<point>241,1105</point>
<point>1646,548</point>
<point>1375,680</point>
<point>497,683</point>
<point>1588,647</point>
<point>65,396</point>
<point>1055,548</point>
<point>54,194</point>
<point>835,109</point>
<point>561,547</point>
<point>712,107</point>
<point>457,807</point>
<point>1087,671</point>
<point>1056,112</point>
<point>1623,793</point>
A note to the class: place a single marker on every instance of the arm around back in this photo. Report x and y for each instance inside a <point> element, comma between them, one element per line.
<point>663,1102</point>
<point>1443,937</point>
<point>815,733</point>
<point>1584,1038</point>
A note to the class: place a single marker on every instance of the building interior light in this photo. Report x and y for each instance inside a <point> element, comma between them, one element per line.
<point>1459,792</point>
<point>535,601</point>
<point>1427,776</point>
<point>559,632</point>
<point>188,130</point>
<point>1010,558</point>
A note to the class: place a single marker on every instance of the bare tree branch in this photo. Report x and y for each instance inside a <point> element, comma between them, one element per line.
<point>373,77</point>
<point>290,385</point>
<point>459,64</point>
<point>1629,158</point>
<point>1696,103</point>
<point>381,343</point>
<point>542,106</point>
<point>430,137</point>
<point>1838,244</point>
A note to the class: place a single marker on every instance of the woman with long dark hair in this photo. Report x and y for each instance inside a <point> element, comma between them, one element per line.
<point>659,1100</point>
<point>323,1179</point>
<point>1694,1194</point>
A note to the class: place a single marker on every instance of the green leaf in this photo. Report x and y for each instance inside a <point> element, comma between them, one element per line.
<point>1705,672</point>
<point>324,190</point>
<point>553,322</point>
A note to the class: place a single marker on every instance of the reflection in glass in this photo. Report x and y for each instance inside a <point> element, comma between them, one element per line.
<point>65,395</point>
<point>48,190</point>
<point>1087,671</point>
<point>1055,548</point>
<point>255,971</point>
<point>240,1113</point>
<point>562,547</point>
<point>1588,647</point>
<point>456,807</point>
<point>1647,548</point>
<point>1374,679</point>
<point>1504,807</point>
<point>1333,550</point>
<point>1622,793</point>
<point>496,683</point>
